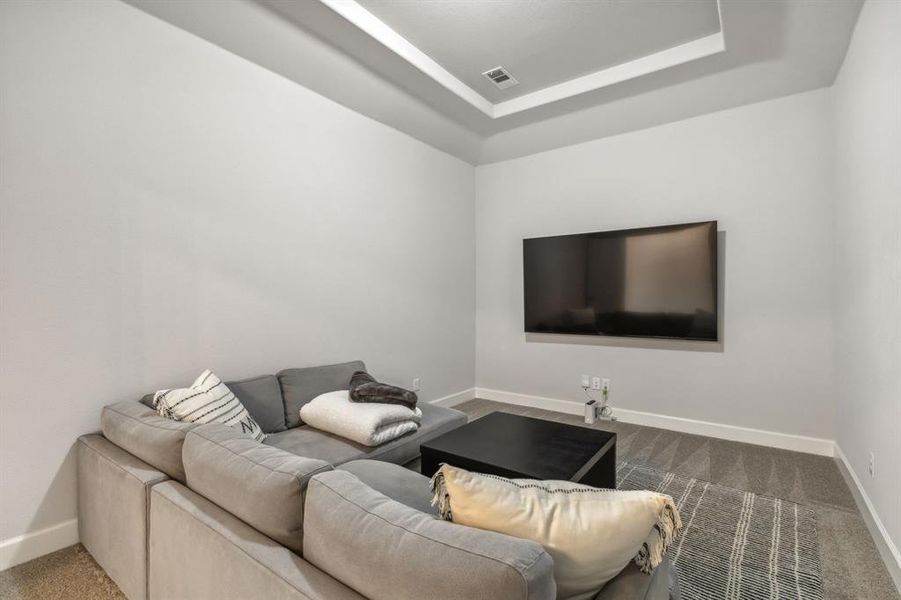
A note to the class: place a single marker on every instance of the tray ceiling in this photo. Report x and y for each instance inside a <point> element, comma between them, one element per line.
<point>555,49</point>
<point>416,65</point>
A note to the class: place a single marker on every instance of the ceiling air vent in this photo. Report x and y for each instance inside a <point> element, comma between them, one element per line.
<point>500,77</point>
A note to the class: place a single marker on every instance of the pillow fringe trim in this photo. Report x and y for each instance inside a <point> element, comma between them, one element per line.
<point>665,531</point>
<point>440,495</point>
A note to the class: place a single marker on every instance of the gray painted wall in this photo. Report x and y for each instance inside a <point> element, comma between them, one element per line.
<point>763,171</point>
<point>168,207</point>
<point>867,99</point>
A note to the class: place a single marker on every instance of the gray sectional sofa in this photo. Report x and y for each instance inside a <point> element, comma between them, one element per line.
<point>174,510</point>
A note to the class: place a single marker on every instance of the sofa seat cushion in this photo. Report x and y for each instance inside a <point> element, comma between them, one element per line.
<point>261,485</point>
<point>262,397</point>
<point>314,443</point>
<point>299,386</point>
<point>400,484</point>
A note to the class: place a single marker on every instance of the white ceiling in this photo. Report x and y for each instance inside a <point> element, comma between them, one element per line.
<point>409,63</point>
<point>542,43</point>
<point>555,36</point>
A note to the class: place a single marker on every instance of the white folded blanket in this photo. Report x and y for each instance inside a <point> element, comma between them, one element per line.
<point>367,423</point>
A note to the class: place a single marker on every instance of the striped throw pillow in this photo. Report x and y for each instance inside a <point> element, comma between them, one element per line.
<point>208,400</point>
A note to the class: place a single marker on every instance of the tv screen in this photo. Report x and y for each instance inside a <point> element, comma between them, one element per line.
<point>652,282</point>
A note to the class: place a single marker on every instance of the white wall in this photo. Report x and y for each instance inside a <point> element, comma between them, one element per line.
<point>762,171</point>
<point>867,97</point>
<point>263,32</point>
<point>168,206</point>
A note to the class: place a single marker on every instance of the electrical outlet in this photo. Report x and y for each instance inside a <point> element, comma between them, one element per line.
<point>417,384</point>
<point>595,383</point>
<point>586,381</point>
<point>605,384</point>
<point>871,467</point>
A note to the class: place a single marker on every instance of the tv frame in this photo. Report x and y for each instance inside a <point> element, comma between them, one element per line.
<point>716,284</point>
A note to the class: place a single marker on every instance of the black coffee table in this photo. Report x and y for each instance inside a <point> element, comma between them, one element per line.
<point>523,447</point>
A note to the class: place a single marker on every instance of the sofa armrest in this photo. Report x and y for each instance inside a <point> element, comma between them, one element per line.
<point>388,551</point>
<point>198,550</point>
<point>154,439</point>
<point>113,501</point>
<point>259,484</point>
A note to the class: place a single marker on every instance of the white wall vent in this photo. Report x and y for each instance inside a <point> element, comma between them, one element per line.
<point>500,77</point>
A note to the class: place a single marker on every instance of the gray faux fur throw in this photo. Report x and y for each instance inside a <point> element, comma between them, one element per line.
<point>364,388</point>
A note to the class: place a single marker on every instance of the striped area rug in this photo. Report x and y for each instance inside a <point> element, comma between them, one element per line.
<point>735,544</point>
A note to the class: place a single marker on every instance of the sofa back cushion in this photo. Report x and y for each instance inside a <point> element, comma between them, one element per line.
<point>299,386</point>
<point>139,429</point>
<point>261,485</point>
<point>262,397</point>
<point>386,550</point>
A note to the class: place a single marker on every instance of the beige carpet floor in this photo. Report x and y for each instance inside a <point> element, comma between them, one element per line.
<point>850,563</point>
<point>67,573</point>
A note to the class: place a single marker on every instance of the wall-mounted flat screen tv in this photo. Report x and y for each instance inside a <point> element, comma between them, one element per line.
<point>658,282</point>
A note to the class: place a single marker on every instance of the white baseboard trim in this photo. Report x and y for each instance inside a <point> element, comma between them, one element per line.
<point>455,399</point>
<point>22,548</point>
<point>772,439</point>
<point>887,548</point>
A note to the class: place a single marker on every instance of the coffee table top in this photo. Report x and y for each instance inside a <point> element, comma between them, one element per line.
<point>526,446</point>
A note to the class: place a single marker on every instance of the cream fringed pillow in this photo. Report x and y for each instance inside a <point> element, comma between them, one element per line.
<point>591,533</point>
